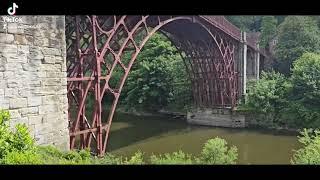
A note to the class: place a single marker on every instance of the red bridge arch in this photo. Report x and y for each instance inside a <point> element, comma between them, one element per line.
<point>97,45</point>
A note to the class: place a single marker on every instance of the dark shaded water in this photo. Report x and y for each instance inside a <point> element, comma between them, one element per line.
<point>154,135</point>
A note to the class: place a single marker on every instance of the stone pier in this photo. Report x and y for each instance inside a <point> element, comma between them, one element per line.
<point>33,83</point>
<point>216,117</point>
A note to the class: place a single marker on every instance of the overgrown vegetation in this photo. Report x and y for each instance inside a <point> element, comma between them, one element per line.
<point>18,147</point>
<point>310,152</point>
<point>291,101</point>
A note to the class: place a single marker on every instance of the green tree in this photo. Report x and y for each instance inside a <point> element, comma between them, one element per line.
<point>153,80</point>
<point>280,19</point>
<point>246,23</point>
<point>268,30</point>
<point>305,96</point>
<point>317,19</point>
<point>296,35</point>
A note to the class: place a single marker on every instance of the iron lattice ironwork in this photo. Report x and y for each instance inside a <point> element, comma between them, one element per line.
<point>97,45</point>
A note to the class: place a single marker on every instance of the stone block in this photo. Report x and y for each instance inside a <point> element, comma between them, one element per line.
<point>35,53</point>
<point>6,38</point>
<point>3,27</point>
<point>29,39</point>
<point>17,103</point>
<point>11,92</point>
<point>14,28</point>
<point>23,50</point>
<point>15,114</point>
<point>20,39</point>
<point>34,101</point>
<point>29,110</point>
<point>44,109</point>
<point>12,66</point>
<point>4,103</point>
<point>49,60</point>
<point>3,83</point>
<point>51,82</point>
<point>50,99</point>
<point>12,83</point>
<point>8,50</point>
<point>29,20</point>
<point>51,51</point>
<point>35,119</point>
<point>24,92</point>
<point>8,75</point>
<point>53,118</point>
<point>40,41</point>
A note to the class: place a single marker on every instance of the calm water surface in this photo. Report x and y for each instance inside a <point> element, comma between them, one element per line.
<point>154,135</point>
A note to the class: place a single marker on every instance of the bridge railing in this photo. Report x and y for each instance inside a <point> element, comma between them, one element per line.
<point>222,23</point>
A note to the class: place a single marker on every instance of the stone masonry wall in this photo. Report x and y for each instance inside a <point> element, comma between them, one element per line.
<point>33,76</point>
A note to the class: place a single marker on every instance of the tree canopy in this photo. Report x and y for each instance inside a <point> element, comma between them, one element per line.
<point>296,35</point>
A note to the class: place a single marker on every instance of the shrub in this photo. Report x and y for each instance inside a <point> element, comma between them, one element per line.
<point>173,158</point>
<point>310,152</point>
<point>24,157</point>
<point>52,155</point>
<point>109,159</point>
<point>216,151</point>
<point>17,141</point>
<point>22,140</point>
<point>137,158</point>
<point>4,117</point>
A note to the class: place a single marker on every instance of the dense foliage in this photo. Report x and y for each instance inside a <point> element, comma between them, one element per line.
<point>268,98</point>
<point>291,101</point>
<point>252,23</point>
<point>268,30</point>
<point>18,142</point>
<point>305,95</point>
<point>296,35</point>
<point>310,152</point>
<point>246,23</point>
<point>158,77</point>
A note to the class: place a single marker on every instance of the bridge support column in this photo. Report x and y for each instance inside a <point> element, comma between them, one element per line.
<point>257,61</point>
<point>244,64</point>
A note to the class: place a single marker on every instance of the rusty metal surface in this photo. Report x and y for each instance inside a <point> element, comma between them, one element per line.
<point>96,47</point>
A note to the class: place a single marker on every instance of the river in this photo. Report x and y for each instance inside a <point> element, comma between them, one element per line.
<point>161,134</point>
